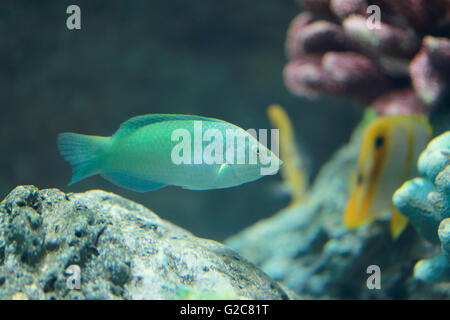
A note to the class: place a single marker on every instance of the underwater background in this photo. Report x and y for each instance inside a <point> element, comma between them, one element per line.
<point>348,91</point>
<point>220,59</point>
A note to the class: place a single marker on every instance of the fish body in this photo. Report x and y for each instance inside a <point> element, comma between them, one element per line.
<point>293,172</point>
<point>390,148</point>
<point>140,155</point>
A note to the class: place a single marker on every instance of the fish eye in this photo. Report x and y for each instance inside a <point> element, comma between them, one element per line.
<point>379,141</point>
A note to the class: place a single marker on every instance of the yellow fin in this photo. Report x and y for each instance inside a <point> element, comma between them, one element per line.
<point>398,223</point>
<point>294,176</point>
<point>356,212</point>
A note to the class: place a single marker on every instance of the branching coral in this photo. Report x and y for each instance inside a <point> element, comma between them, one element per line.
<point>426,203</point>
<point>401,66</point>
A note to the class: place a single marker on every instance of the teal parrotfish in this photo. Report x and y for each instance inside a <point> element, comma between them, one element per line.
<point>152,151</point>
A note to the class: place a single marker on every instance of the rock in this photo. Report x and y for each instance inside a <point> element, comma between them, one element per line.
<point>123,250</point>
<point>426,202</point>
<point>307,247</point>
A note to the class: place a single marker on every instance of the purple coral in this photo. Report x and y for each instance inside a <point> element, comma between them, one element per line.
<point>401,67</point>
<point>430,70</point>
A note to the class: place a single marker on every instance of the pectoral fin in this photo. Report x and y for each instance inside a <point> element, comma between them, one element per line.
<point>223,168</point>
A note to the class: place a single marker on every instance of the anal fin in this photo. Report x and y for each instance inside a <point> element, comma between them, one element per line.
<point>132,182</point>
<point>197,188</point>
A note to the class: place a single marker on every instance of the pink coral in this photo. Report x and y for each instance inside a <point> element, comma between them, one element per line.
<point>399,102</point>
<point>430,70</point>
<point>401,67</point>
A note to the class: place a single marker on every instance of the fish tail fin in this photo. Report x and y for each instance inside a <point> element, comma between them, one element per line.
<point>83,152</point>
<point>398,223</point>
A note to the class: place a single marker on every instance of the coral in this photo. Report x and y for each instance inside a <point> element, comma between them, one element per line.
<point>437,268</point>
<point>426,203</point>
<point>401,66</point>
<point>307,247</point>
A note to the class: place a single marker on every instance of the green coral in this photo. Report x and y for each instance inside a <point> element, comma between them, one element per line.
<point>425,202</point>
<point>437,268</point>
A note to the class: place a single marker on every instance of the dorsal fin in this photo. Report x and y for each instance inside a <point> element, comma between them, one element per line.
<point>142,121</point>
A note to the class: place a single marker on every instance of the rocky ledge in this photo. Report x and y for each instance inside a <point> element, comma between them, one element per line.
<point>121,249</point>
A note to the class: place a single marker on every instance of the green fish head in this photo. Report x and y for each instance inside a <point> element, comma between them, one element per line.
<point>257,162</point>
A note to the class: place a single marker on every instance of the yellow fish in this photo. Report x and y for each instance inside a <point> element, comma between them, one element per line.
<point>389,152</point>
<point>295,178</point>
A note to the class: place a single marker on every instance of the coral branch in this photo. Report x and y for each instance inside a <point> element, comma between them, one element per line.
<point>401,67</point>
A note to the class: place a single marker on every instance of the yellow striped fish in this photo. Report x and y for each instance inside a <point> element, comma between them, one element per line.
<point>294,176</point>
<point>388,156</point>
